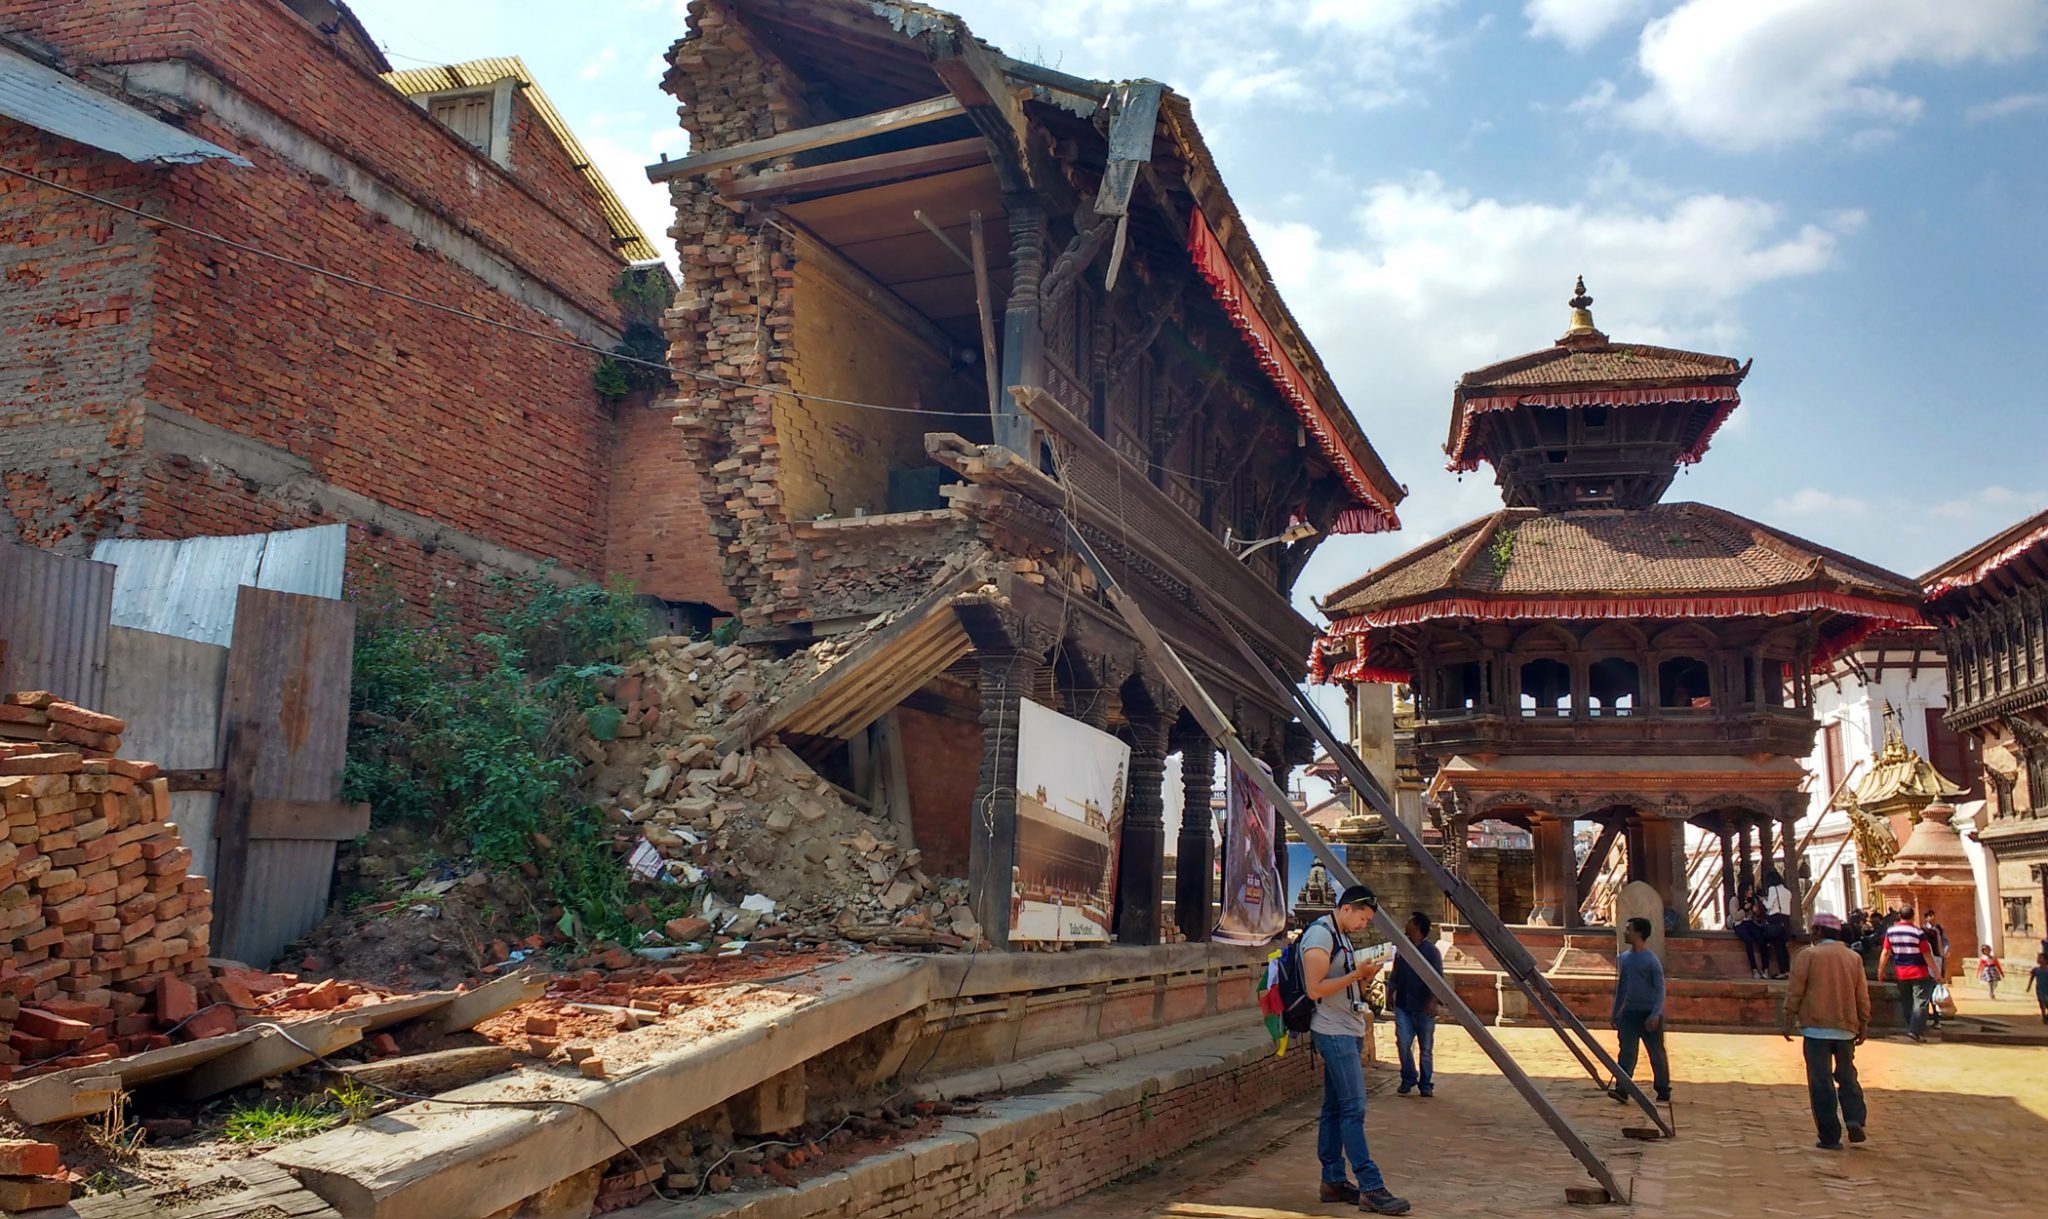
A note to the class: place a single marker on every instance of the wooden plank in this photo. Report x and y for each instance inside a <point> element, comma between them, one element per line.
<point>804,139</point>
<point>398,1011</point>
<point>461,1162</point>
<point>241,747</point>
<point>860,171</point>
<point>438,1071</point>
<point>207,780</point>
<point>885,211</point>
<point>886,648</point>
<point>314,820</point>
<point>248,1189</point>
<point>288,675</point>
<point>59,1096</point>
<point>471,1008</point>
<point>273,1053</point>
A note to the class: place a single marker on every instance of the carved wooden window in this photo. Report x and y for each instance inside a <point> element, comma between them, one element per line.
<point>2019,914</point>
<point>1684,684</point>
<point>1614,686</point>
<point>1546,687</point>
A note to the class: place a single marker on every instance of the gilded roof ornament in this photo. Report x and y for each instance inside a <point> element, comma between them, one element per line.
<point>1582,328</point>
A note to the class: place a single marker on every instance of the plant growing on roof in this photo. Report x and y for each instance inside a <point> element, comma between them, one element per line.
<point>639,361</point>
<point>1503,550</point>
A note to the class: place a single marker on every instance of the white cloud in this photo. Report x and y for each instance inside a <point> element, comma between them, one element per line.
<point>2006,107</point>
<point>1998,504</point>
<point>1740,75</point>
<point>1812,501</point>
<point>1579,24</point>
<point>602,65</point>
<point>1318,55</point>
<point>1425,280</point>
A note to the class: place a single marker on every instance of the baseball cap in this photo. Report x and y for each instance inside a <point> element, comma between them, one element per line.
<point>1359,895</point>
<point>1827,920</point>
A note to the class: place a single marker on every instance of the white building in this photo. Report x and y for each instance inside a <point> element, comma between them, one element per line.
<point>1906,672</point>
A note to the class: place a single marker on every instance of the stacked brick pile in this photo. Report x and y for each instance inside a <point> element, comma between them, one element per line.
<point>102,933</point>
<point>29,1176</point>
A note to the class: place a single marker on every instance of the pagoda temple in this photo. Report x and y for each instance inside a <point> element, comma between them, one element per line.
<point>1593,654</point>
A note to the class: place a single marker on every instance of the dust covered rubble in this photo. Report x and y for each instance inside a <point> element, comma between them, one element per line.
<point>757,821</point>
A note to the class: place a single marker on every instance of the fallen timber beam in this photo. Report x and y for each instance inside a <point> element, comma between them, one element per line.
<point>859,171</point>
<point>804,139</point>
<point>454,1161</point>
<point>1596,859</point>
<point>1205,712</point>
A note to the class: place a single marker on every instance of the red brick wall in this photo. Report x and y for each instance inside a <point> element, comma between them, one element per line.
<point>265,50</point>
<point>944,764</point>
<point>482,430</point>
<point>73,344</point>
<point>660,534</point>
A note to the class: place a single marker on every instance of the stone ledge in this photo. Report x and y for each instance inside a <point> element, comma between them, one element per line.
<point>994,1144</point>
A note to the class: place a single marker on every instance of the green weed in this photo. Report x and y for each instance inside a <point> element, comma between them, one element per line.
<point>280,1121</point>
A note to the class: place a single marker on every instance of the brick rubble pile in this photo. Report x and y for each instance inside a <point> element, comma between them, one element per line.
<point>103,936</point>
<point>758,821</point>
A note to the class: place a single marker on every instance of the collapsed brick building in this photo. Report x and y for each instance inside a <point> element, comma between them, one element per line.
<point>886,227</point>
<point>156,383</point>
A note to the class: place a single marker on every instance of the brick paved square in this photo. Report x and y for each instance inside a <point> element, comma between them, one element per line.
<point>1978,1116</point>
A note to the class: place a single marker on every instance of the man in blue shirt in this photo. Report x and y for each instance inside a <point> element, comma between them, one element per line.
<point>1638,1014</point>
<point>1415,1012</point>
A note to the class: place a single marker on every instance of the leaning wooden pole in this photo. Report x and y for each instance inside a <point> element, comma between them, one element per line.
<point>1205,712</point>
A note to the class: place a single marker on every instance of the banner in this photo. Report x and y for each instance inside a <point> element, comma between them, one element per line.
<point>1071,783</point>
<point>1254,908</point>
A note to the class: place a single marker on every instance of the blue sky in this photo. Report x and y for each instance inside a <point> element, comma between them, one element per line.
<point>1849,191</point>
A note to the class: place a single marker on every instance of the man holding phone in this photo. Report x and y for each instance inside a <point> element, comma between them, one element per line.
<point>1332,975</point>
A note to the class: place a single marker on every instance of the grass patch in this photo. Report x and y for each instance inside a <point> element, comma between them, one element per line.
<point>280,1122</point>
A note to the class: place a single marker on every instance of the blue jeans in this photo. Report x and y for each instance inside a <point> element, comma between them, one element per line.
<point>1914,996</point>
<point>1632,1026</point>
<point>1341,1131</point>
<point>1831,1081</point>
<point>1415,1036</point>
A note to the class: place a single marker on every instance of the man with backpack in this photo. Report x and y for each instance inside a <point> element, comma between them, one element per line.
<point>1331,977</point>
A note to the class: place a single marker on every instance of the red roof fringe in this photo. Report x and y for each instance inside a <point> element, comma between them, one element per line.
<point>1949,584</point>
<point>1464,463</point>
<point>1212,262</point>
<point>1580,609</point>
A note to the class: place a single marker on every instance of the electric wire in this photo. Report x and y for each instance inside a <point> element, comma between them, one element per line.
<point>256,251</point>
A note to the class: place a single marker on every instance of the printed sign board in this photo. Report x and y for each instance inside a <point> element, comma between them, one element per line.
<point>1071,784</point>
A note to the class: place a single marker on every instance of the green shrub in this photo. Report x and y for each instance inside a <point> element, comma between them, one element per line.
<point>470,734</point>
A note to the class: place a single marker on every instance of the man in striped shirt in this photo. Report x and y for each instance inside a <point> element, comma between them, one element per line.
<point>1906,950</point>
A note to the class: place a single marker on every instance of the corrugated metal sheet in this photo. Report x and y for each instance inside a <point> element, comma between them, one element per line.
<point>477,73</point>
<point>187,588</point>
<point>288,676</point>
<point>169,691</point>
<point>53,616</point>
<point>51,101</point>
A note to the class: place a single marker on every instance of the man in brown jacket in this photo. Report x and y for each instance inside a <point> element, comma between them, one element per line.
<point>1829,1003</point>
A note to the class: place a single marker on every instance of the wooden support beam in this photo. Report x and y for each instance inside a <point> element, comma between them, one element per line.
<point>1596,859</point>
<point>273,1053</point>
<point>471,1008</point>
<point>803,139</point>
<point>859,171</point>
<point>815,250</point>
<point>308,820</point>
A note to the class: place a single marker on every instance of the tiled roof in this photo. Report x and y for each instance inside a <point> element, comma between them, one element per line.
<point>1987,556</point>
<point>476,73</point>
<point>1580,363</point>
<point>1633,554</point>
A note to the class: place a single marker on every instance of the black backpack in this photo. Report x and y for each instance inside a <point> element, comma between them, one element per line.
<point>1296,1008</point>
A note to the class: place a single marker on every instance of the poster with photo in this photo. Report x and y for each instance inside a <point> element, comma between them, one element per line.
<point>1071,784</point>
<point>1254,907</point>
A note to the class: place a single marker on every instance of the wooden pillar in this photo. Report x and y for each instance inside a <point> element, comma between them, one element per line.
<point>1727,875</point>
<point>1557,872</point>
<point>1456,828</point>
<point>1141,855</point>
<point>1788,842</point>
<point>1023,327</point>
<point>1196,848</point>
<point>1744,836</point>
<point>1007,675</point>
